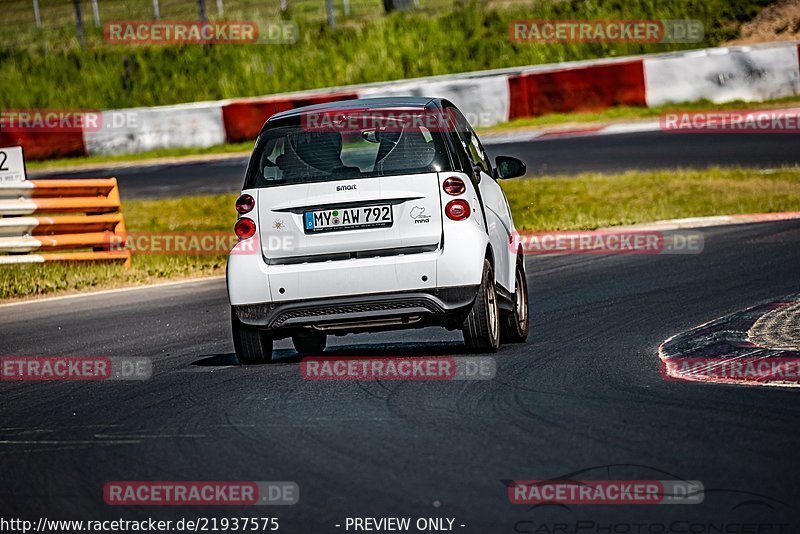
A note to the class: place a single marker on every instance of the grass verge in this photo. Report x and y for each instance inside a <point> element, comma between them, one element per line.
<point>586,201</point>
<point>468,36</point>
<point>207,213</point>
<point>161,155</point>
<point>629,113</point>
<point>590,201</point>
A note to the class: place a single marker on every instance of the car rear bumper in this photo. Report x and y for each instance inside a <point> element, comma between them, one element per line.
<point>457,262</point>
<point>377,311</point>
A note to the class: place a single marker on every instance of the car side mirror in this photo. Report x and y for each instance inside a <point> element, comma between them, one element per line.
<point>371,136</point>
<point>508,167</point>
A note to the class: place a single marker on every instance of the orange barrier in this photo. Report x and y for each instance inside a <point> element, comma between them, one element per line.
<point>46,145</point>
<point>76,224</point>
<point>243,118</point>
<point>24,233</point>
<point>583,88</point>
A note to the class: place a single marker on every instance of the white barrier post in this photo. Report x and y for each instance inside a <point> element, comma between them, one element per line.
<point>36,14</point>
<point>96,13</point>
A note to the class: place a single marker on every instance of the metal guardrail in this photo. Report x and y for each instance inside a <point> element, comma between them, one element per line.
<point>26,22</point>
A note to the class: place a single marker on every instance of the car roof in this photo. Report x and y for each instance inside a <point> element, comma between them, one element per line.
<point>361,103</point>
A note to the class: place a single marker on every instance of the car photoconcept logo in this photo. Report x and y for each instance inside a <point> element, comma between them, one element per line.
<point>418,214</point>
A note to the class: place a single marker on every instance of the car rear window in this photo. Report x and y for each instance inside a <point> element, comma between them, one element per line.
<point>293,154</point>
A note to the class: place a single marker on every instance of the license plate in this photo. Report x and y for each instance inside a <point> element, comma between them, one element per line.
<point>347,219</point>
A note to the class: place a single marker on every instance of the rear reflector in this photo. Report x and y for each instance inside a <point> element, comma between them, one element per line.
<point>457,210</point>
<point>245,228</point>
<point>245,204</point>
<point>454,186</point>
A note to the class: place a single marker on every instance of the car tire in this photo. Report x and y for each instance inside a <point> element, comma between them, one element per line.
<point>515,324</point>
<point>309,343</point>
<point>252,346</point>
<point>481,328</point>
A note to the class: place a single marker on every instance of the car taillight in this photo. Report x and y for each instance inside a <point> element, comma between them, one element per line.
<point>457,210</point>
<point>245,228</point>
<point>454,186</point>
<point>245,204</point>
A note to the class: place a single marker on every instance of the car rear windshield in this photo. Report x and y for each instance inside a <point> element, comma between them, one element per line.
<point>295,154</point>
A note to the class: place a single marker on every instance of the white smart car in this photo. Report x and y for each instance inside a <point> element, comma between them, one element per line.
<point>370,215</point>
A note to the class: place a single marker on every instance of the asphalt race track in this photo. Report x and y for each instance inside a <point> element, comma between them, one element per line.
<point>605,153</point>
<point>584,394</point>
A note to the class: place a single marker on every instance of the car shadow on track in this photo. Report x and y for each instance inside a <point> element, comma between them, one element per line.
<point>388,350</point>
<point>375,350</point>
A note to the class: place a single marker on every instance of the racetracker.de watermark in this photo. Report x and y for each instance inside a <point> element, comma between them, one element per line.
<point>608,242</point>
<point>422,368</point>
<point>606,492</point>
<point>356,121</point>
<point>198,243</point>
<point>74,368</point>
<point>604,31</point>
<point>50,120</point>
<point>67,120</point>
<point>745,121</point>
<point>214,523</point>
<point>200,493</point>
<point>161,32</point>
<point>785,369</point>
